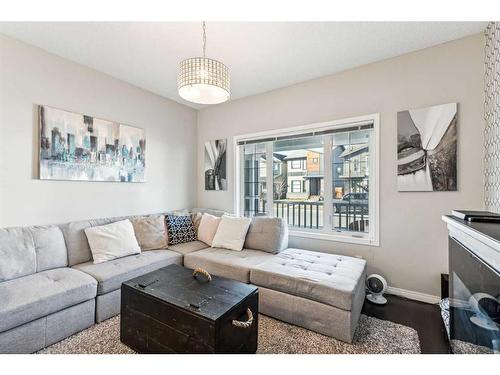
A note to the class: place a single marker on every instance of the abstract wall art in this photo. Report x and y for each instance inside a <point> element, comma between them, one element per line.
<point>78,147</point>
<point>215,165</point>
<point>427,148</point>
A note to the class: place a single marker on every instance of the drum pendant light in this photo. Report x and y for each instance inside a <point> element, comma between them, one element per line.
<point>203,80</point>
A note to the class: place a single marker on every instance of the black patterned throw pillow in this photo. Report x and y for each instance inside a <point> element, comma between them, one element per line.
<point>180,229</point>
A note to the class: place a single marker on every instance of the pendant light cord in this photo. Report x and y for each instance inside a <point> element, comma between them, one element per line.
<point>204,40</point>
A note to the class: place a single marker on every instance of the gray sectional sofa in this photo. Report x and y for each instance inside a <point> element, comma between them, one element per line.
<point>50,288</point>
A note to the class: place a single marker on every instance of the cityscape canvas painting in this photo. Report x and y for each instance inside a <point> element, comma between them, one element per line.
<point>427,149</point>
<point>215,165</point>
<point>78,147</point>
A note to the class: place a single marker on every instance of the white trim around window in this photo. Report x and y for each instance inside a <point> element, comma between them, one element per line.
<point>371,238</point>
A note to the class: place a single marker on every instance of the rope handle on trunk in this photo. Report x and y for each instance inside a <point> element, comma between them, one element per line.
<point>203,272</point>
<point>246,324</point>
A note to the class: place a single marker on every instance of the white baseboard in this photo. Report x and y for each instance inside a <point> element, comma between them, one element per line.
<point>417,296</point>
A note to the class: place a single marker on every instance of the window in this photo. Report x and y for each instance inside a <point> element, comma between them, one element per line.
<point>254,180</point>
<point>351,206</point>
<point>296,186</point>
<point>321,179</point>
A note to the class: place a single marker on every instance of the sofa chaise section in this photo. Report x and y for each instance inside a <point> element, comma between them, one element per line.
<point>322,292</point>
<point>318,291</point>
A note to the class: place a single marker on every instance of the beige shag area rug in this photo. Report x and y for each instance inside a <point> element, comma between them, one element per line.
<point>373,336</point>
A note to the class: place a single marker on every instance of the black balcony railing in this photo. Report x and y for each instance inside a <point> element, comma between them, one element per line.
<point>300,214</point>
<point>351,216</point>
<point>347,216</point>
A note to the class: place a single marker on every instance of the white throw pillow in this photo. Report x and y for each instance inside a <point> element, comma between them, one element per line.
<point>111,241</point>
<point>208,228</point>
<point>231,233</point>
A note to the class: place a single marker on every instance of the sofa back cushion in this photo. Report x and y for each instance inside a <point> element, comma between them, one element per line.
<point>50,247</point>
<point>150,232</point>
<point>17,253</point>
<point>112,241</point>
<point>76,242</point>
<point>268,234</point>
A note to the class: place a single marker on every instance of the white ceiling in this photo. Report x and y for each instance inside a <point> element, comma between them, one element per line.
<point>261,56</point>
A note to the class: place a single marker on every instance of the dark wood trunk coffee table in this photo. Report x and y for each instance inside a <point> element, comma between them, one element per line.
<point>171,311</point>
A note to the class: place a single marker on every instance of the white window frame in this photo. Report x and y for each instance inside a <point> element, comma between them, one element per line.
<point>373,237</point>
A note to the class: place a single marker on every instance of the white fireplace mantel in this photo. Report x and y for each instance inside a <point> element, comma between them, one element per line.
<point>484,246</point>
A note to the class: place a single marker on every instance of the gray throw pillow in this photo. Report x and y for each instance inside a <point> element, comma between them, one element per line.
<point>150,232</point>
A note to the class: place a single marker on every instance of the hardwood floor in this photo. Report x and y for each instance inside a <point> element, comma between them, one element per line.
<point>422,317</point>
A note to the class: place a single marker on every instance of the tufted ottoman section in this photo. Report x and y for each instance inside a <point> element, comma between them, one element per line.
<point>318,291</point>
<point>326,278</point>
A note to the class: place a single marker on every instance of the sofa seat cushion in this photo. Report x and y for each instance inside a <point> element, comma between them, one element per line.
<point>232,264</point>
<point>110,275</point>
<point>40,294</point>
<point>188,247</point>
<point>326,278</point>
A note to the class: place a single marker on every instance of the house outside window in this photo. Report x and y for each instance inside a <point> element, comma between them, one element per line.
<point>323,182</point>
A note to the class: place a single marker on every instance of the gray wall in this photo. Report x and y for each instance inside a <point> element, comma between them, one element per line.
<point>30,76</point>
<point>413,250</point>
<point>492,116</point>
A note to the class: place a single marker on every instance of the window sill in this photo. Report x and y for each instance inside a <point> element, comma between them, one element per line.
<point>335,237</point>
